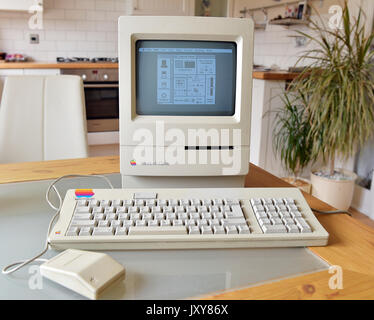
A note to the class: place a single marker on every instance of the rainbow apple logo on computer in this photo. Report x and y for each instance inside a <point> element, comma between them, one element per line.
<point>84,193</point>
<point>133,162</point>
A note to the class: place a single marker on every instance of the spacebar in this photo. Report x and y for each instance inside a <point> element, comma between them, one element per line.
<point>157,230</point>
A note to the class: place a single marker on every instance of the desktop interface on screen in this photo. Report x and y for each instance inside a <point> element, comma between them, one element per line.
<point>185,78</point>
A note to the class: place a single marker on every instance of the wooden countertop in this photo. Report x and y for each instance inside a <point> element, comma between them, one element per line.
<point>60,65</point>
<point>261,75</point>
<point>274,75</point>
<point>350,246</point>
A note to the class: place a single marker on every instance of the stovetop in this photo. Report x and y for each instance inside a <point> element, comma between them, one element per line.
<point>84,59</point>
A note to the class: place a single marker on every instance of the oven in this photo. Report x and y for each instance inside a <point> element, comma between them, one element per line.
<point>101,97</point>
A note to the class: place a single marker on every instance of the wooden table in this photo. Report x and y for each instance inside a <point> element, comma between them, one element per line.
<point>351,243</point>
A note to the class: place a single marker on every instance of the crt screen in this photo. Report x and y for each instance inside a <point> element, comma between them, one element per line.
<point>186,78</point>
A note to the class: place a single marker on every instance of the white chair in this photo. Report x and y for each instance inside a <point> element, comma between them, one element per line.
<point>42,118</point>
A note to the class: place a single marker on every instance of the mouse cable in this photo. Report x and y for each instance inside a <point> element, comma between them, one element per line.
<point>20,264</point>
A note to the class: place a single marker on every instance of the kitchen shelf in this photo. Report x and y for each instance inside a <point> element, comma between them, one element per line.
<point>289,22</point>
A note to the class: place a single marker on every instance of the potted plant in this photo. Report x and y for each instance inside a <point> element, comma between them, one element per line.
<point>339,83</point>
<point>291,141</point>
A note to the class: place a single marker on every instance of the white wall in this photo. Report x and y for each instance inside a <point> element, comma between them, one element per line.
<point>70,28</point>
<point>275,44</point>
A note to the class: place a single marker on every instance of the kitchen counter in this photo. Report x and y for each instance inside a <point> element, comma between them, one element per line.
<point>261,75</point>
<point>274,75</point>
<point>55,65</point>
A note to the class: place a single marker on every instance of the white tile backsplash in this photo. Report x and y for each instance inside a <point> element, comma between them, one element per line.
<point>70,28</point>
<point>89,28</point>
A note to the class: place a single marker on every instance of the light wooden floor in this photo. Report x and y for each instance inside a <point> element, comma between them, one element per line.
<point>113,149</point>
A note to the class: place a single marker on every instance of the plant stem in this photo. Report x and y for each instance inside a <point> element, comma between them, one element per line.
<point>332,164</point>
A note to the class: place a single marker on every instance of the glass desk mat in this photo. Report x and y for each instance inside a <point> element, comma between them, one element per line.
<point>158,274</point>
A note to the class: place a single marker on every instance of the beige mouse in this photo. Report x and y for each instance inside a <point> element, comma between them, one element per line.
<point>85,272</point>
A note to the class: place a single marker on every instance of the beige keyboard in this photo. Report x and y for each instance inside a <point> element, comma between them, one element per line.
<point>121,219</point>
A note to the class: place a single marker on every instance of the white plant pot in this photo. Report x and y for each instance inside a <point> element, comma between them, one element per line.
<point>337,193</point>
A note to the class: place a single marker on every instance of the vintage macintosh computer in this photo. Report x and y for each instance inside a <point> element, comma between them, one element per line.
<point>185,102</point>
<point>185,108</point>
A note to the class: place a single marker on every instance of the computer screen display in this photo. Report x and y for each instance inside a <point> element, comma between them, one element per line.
<point>185,78</point>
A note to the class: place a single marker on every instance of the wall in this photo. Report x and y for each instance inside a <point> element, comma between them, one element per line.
<point>70,28</point>
<point>275,45</point>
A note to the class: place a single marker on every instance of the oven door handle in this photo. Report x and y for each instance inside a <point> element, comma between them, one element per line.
<point>100,86</point>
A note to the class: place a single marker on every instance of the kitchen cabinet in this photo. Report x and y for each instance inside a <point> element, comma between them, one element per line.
<point>21,5</point>
<point>163,7</point>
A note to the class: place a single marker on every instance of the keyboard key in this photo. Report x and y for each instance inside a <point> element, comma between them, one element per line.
<point>99,216</point>
<point>264,221</point>
<point>73,231</point>
<point>147,216</point>
<point>83,223</point>
<point>139,202</point>
<point>258,208</point>
<point>277,228</point>
<point>153,223</point>
<point>231,222</point>
<point>83,210</point>
<point>123,216</point>
<point>261,215</point>
<point>185,202</point>
<point>206,230</point>
<point>111,216</point>
<point>214,222</point>
<point>116,223</point>
<point>292,228</point>
<point>295,214</point>
<point>182,216</point>
<point>269,207</point>
<point>193,230</point>
<point>273,215</point>
<point>121,210</point>
<point>218,202</point>
<point>97,210</point>
<point>243,229</point>
<point>85,231</point>
<point>174,202</point>
<point>278,201</point>
<point>157,230</point>
<point>255,202</point>
<point>94,203</point>
<point>102,231</point>
<point>231,230</point>
<point>206,215</point>
<point>117,203</point>
<point>128,223</point>
<point>82,203</point>
<point>145,209</point>
<point>141,223</point>
<point>105,203</point>
<point>156,209</point>
<point>202,222</point>
<point>165,223</point>
<point>231,202</point>
<point>292,207</point>
<point>163,203</point>
<point>218,215</point>
<point>103,223</point>
<point>288,221</point>
<point>121,231</point>
<point>281,207</point>
<point>276,221</point>
<point>266,201</point>
<point>83,216</point>
<point>218,230</point>
<point>177,223</point>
